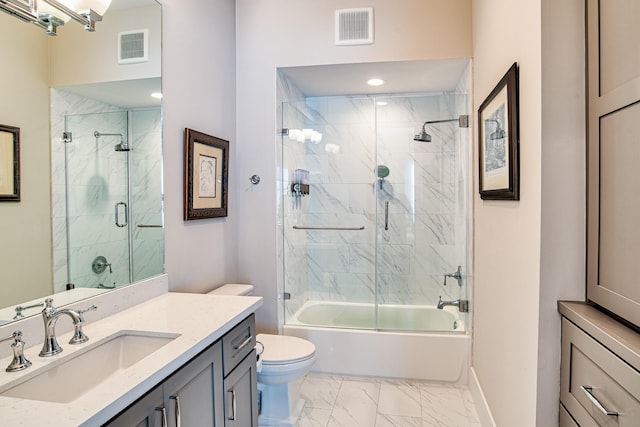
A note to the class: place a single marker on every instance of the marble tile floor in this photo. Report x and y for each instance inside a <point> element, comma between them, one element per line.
<point>335,401</point>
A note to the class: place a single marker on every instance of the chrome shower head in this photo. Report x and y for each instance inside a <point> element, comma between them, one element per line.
<point>423,136</point>
<point>122,146</point>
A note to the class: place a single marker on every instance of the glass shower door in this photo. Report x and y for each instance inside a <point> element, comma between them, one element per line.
<point>97,177</point>
<point>421,197</point>
<point>328,210</point>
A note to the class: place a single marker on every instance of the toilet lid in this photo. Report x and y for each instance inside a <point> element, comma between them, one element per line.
<point>282,349</point>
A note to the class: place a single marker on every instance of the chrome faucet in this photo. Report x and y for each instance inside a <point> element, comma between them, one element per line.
<point>50,316</point>
<point>462,304</point>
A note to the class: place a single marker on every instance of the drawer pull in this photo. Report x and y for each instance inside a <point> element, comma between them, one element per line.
<point>177,399</point>
<point>596,402</point>
<point>164,416</point>
<point>243,344</point>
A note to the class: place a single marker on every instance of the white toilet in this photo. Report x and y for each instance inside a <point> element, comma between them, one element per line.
<point>284,361</point>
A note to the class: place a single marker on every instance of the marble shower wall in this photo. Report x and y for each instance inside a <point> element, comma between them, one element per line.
<point>427,190</point>
<point>83,214</point>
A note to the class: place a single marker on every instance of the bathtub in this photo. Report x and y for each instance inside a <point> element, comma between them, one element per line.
<point>345,346</point>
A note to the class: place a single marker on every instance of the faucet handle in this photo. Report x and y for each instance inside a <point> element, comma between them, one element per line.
<point>20,308</point>
<point>19,362</point>
<point>78,335</point>
<point>90,308</point>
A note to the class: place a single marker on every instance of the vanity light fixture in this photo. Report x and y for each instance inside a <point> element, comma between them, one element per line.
<point>375,82</point>
<point>156,95</point>
<point>50,14</point>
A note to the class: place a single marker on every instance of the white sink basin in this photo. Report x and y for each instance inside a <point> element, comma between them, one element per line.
<point>68,378</point>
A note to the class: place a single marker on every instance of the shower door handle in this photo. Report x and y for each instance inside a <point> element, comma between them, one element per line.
<point>122,206</point>
<point>386,215</point>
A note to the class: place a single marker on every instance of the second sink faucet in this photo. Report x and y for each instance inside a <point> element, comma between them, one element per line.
<point>50,315</point>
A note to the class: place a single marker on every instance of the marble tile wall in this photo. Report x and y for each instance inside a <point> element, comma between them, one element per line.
<point>97,180</point>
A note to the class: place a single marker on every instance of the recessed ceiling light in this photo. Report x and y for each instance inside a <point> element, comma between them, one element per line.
<point>375,82</point>
<point>156,95</point>
<point>381,103</point>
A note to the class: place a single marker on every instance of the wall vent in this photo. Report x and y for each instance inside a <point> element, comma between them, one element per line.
<point>133,46</point>
<point>354,26</point>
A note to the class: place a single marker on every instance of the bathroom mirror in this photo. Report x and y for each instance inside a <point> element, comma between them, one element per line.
<point>90,215</point>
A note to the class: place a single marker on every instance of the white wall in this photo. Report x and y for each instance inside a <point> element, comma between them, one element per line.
<point>198,78</point>
<point>80,57</point>
<point>529,253</point>
<point>563,222</point>
<point>280,33</point>
<point>25,226</point>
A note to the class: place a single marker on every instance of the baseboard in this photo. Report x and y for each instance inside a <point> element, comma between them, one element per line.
<point>482,408</point>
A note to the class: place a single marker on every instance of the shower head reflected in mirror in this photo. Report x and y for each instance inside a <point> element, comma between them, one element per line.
<point>423,136</point>
<point>122,146</point>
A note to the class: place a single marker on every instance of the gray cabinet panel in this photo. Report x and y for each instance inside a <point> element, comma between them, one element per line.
<point>194,394</point>
<point>240,388</point>
<point>143,413</point>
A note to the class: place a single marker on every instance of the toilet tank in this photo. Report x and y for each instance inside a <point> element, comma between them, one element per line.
<point>234,289</point>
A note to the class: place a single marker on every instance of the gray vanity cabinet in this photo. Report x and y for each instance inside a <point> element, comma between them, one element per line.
<point>192,396</point>
<point>145,412</point>
<point>240,388</point>
<point>241,375</point>
<point>195,394</point>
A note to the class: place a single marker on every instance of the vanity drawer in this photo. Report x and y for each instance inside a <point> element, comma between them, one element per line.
<point>594,380</point>
<point>565,418</point>
<point>237,343</point>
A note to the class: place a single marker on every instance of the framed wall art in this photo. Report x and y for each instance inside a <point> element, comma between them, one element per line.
<point>498,141</point>
<point>206,167</point>
<point>9,164</point>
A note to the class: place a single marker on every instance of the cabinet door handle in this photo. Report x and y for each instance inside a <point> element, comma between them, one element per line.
<point>164,416</point>
<point>231,394</point>
<point>587,390</point>
<point>177,399</point>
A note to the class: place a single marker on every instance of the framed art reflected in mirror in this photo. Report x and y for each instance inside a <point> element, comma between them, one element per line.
<point>206,164</point>
<point>9,164</point>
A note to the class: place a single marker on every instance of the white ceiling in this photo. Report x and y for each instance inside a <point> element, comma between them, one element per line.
<point>125,93</point>
<point>399,77</point>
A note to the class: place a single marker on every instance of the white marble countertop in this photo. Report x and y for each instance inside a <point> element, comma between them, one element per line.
<point>199,319</point>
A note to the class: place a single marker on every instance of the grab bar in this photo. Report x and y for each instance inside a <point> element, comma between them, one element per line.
<point>325,227</point>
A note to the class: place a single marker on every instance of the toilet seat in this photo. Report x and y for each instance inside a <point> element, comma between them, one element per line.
<point>285,350</point>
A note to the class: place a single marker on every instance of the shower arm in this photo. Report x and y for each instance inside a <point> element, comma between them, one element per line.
<point>463,121</point>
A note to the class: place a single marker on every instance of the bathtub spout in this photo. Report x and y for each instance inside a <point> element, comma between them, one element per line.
<point>462,304</point>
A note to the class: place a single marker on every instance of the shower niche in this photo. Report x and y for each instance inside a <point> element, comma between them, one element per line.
<point>389,212</point>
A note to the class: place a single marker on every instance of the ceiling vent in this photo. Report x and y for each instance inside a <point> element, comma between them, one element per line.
<point>133,46</point>
<point>354,26</point>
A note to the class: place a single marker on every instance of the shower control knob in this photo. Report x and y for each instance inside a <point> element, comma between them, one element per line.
<point>255,179</point>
